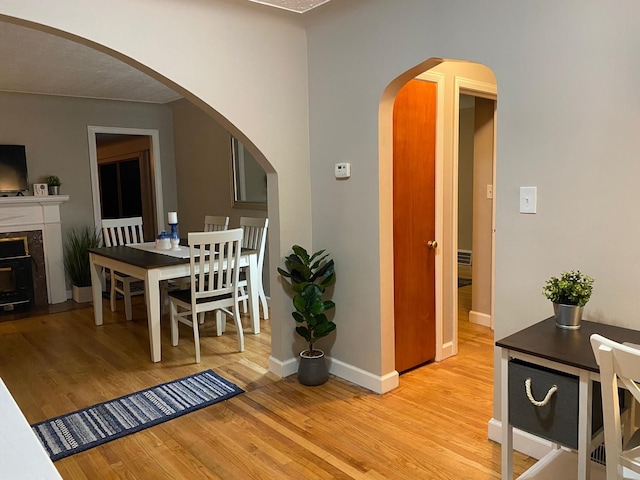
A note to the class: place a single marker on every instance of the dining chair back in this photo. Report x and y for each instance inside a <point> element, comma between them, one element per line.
<point>123,231</point>
<point>214,266</point>
<point>214,223</point>
<point>255,238</point>
<point>619,366</point>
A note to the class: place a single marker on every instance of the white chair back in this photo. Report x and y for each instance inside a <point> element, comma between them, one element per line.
<point>215,223</point>
<point>255,236</point>
<point>122,231</point>
<point>619,366</point>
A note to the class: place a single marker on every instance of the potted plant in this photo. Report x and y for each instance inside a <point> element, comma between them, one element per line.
<point>309,277</point>
<point>76,260</point>
<point>569,293</point>
<point>53,181</point>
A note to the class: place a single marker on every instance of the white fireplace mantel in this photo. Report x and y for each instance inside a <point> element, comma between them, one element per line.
<point>40,213</point>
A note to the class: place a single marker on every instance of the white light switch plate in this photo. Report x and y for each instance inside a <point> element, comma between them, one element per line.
<point>343,170</point>
<point>528,199</point>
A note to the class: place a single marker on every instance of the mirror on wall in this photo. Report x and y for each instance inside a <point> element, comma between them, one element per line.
<point>249,179</point>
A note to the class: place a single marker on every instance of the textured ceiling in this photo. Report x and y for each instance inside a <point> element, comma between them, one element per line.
<point>298,6</point>
<point>37,62</point>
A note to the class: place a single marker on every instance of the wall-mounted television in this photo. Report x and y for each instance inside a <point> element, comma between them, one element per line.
<point>13,169</point>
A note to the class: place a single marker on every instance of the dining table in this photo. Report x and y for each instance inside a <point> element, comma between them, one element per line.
<point>145,262</point>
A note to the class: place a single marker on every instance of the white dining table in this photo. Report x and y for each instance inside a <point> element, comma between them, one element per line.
<point>152,266</point>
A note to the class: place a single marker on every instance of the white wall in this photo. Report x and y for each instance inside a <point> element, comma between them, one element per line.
<point>54,131</point>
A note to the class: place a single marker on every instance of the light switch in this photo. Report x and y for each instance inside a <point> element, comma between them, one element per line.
<point>528,199</point>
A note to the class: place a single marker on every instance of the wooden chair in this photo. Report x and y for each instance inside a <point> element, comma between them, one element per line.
<point>255,238</point>
<point>214,223</point>
<point>123,231</point>
<point>209,291</point>
<point>618,364</point>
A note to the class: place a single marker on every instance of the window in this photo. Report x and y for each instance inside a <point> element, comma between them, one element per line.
<point>249,179</point>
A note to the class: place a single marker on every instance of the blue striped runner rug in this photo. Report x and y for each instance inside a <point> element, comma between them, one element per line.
<point>92,426</point>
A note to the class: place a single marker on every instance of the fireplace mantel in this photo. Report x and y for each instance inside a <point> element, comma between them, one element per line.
<point>40,213</point>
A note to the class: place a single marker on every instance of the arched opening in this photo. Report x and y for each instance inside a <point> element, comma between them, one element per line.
<point>452,79</point>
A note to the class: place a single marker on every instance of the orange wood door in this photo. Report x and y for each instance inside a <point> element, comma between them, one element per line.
<point>414,129</point>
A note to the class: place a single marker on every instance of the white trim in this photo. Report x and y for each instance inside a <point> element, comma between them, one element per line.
<point>523,442</point>
<point>375,383</point>
<point>479,318</point>
<point>442,350</point>
<point>489,91</point>
<point>155,167</point>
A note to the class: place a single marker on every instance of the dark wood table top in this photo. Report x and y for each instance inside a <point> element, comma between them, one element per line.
<point>138,257</point>
<point>569,347</point>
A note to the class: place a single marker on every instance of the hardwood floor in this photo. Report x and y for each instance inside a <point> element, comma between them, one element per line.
<point>434,426</point>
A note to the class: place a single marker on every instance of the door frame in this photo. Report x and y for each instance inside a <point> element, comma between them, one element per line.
<point>489,91</point>
<point>154,160</point>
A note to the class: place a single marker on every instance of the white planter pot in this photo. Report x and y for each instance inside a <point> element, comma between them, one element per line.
<point>82,294</point>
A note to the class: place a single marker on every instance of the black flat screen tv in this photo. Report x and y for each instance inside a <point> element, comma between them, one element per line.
<point>13,169</point>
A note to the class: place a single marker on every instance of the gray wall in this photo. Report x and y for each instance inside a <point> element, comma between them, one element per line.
<point>54,131</point>
<point>203,156</point>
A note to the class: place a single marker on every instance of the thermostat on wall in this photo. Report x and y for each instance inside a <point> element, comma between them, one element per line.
<point>343,170</point>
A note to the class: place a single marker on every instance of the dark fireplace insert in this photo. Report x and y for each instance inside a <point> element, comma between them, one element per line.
<point>16,278</point>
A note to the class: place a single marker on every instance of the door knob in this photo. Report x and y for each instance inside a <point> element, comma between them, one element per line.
<point>432,244</point>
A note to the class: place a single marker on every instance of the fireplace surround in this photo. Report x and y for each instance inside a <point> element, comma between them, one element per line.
<point>35,218</point>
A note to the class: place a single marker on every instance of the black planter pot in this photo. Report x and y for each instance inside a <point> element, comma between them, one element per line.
<point>312,370</point>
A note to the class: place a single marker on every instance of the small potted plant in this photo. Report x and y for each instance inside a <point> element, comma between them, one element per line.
<point>53,181</point>
<point>309,277</point>
<point>569,293</point>
<point>76,260</point>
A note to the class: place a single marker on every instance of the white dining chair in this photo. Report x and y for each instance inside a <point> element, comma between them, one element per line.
<point>619,366</point>
<point>123,231</point>
<point>209,291</point>
<point>255,238</point>
<point>214,223</point>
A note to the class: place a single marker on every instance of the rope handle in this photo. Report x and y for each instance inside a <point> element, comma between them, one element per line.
<point>552,390</point>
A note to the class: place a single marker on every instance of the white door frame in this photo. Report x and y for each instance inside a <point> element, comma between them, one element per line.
<point>156,174</point>
<point>489,91</point>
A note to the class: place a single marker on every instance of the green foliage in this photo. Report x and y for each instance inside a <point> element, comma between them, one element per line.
<point>572,288</point>
<point>76,254</point>
<point>53,180</point>
<point>309,277</point>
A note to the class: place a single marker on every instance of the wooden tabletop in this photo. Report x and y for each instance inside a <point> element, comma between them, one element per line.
<point>138,257</point>
<point>569,347</point>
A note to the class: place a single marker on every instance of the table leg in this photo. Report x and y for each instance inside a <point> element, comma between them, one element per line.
<point>152,295</point>
<point>96,289</point>
<point>253,291</point>
<point>507,430</point>
<point>584,426</point>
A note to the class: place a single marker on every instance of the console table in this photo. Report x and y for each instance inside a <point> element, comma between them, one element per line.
<point>566,354</point>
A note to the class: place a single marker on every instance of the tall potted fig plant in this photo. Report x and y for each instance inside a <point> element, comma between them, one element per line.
<point>309,277</point>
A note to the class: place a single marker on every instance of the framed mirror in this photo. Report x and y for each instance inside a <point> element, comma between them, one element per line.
<point>249,179</point>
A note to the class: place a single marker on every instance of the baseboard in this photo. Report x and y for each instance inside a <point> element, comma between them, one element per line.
<point>480,318</point>
<point>523,442</point>
<point>375,383</point>
<point>448,350</point>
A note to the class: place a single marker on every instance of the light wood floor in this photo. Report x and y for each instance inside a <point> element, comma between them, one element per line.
<point>434,426</point>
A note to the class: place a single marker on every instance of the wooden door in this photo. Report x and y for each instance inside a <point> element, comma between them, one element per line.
<point>414,132</point>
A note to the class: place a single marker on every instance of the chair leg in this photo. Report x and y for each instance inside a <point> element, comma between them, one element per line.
<point>196,335</point>
<point>220,323</point>
<point>175,333</point>
<point>127,300</point>
<point>243,293</point>
<point>112,297</point>
<point>263,303</point>
<point>236,318</point>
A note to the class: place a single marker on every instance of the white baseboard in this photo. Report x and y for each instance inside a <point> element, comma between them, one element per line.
<point>375,383</point>
<point>448,350</point>
<point>523,442</point>
<point>480,318</point>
